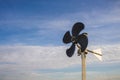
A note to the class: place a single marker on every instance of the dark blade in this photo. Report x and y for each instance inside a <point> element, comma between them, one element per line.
<point>71,50</point>
<point>77,27</point>
<point>83,41</point>
<point>67,37</point>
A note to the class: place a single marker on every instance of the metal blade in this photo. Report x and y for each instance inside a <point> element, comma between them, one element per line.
<point>67,37</point>
<point>70,51</point>
<point>83,41</point>
<point>77,27</point>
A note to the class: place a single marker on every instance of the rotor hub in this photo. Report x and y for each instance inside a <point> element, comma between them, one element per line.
<point>74,39</point>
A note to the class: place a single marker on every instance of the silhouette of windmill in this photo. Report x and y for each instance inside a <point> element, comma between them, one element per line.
<point>81,41</point>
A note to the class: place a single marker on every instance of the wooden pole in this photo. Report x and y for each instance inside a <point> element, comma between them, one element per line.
<point>83,58</point>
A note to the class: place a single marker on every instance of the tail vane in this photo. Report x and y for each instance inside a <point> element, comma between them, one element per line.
<point>97,53</point>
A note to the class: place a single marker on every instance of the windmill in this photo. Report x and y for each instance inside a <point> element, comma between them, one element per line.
<point>81,41</point>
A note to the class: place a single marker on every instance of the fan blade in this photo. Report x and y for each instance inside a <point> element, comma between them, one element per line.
<point>67,37</point>
<point>83,41</point>
<point>71,50</point>
<point>77,27</point>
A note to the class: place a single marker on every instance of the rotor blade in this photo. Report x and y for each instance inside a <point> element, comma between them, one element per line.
<point>71,50</point>
<point>83,41</point>
<point>77,27</point>
<point>67,37</point>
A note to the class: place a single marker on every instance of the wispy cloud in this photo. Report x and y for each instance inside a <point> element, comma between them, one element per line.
<point>92,18</point>
<point>51,57</point>
<point>39,26</point>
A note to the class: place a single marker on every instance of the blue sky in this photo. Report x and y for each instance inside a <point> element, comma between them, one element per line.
<point>31,33</point>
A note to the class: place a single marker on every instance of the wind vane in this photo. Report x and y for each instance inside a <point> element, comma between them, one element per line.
<point>81,41</point>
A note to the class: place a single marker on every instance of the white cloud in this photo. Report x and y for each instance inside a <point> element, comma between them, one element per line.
<point>33,57</point>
